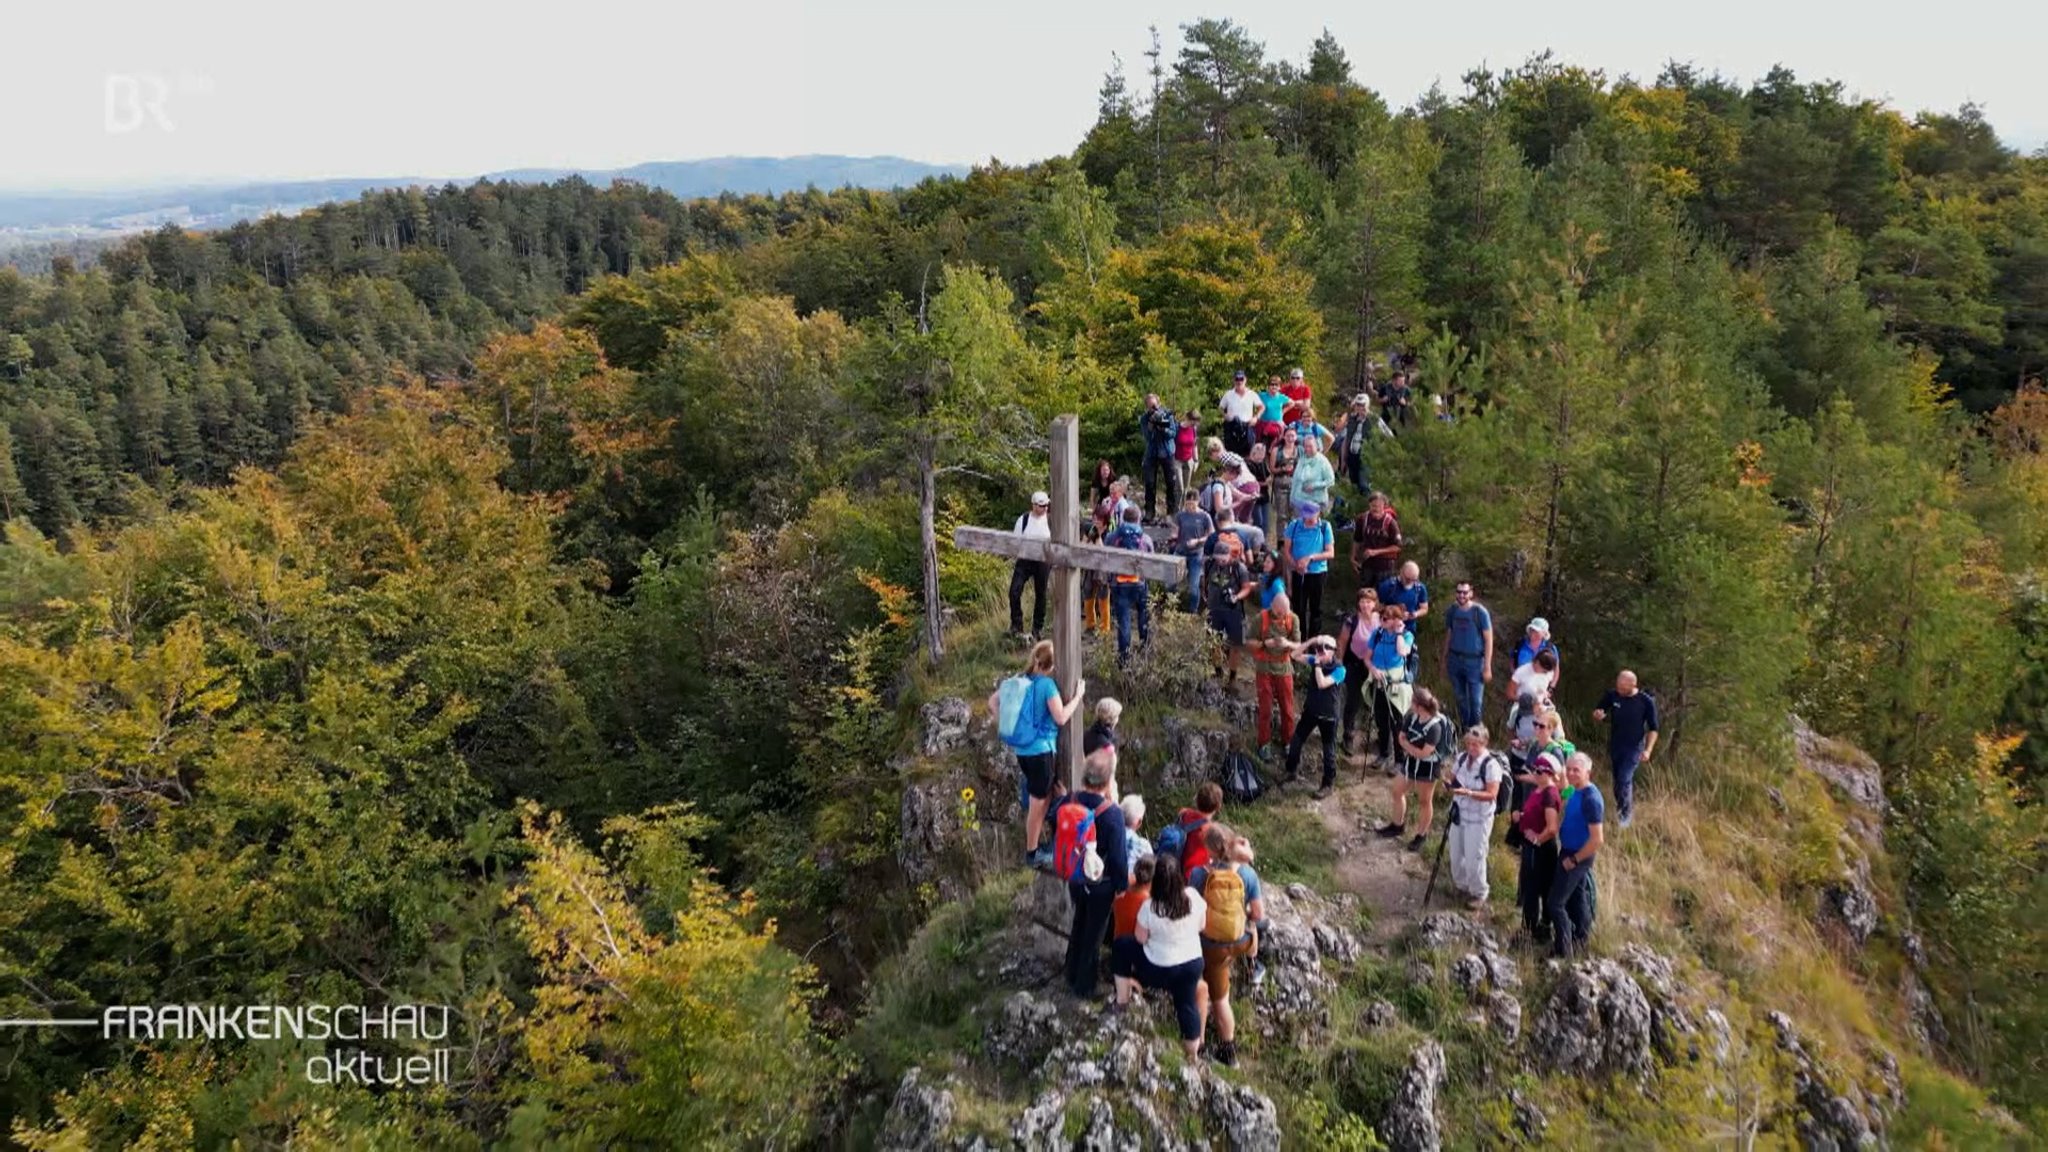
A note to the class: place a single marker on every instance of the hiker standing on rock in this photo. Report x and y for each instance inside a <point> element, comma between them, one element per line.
<point>1354,643</point>
<point>1425,738</point>
<point>1538,821</point>
<point>1159,430</point>
<point>1234,905</point>
<point>1326,687</point>
<point>1311,543</point>
<point>1376,542</point>
<point>1034,737</point>
<point>1189,540</point>
<point>1632,737</point>
<point>1477,776</point>
<point>1230,584</point>
<point>1241,409</point>
<point>1273,637</point>
<point>1580,833</point>
<point>1468,652</point>
<point>1392,690</point>
<point>1033,525</point>
<point>1091,817</point>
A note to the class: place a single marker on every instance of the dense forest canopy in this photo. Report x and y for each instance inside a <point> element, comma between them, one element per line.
<point>364,568</point>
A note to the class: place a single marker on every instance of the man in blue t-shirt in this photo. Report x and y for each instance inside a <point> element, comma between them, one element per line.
<point>1408,590</point>
<point>1631,737</point>
<point>1468,652</point>
<point>1580,833</point>
<point>1127,593</point>
<point>1311,543</point>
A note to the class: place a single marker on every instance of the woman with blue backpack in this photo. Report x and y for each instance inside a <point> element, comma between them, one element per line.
<point>1029,715</point>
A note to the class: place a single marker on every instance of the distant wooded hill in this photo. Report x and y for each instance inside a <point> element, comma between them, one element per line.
<point>221,205</point>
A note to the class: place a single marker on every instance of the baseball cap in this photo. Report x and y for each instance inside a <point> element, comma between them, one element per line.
<point>1295,374</point>
<point>1543,767</point>
<point>1238,376</point>
<point>1540,625</point>
<point>1231,460</point>
<point>1040,500</point>
<point>1362,400</point>
<point>1307,506</point>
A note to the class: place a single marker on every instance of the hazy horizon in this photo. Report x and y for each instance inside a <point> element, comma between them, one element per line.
<point>132,95</point>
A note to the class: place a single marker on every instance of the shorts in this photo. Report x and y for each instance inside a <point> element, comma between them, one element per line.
<point>1229,622</point>
<point>1038,773</point>
<point>1125,953</point>
<point>1216,963</point>
<point>1419,772</point>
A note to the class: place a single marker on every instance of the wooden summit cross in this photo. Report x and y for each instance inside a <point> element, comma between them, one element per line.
<point>1067,558</point>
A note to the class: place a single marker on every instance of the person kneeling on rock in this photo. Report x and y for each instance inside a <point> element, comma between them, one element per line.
<point>1231,894</point>
<point>1169,931</point>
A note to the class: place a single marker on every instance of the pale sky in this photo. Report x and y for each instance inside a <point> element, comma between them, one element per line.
<point>260,89</point>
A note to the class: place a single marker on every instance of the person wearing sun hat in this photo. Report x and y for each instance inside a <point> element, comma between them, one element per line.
<point>1032,525</point>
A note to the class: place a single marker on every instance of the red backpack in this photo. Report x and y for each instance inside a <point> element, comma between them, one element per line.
<point>1073,838</point>
<point>1184,838</point>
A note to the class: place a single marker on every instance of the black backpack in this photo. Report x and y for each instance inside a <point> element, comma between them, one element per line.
<point>1241,783</point>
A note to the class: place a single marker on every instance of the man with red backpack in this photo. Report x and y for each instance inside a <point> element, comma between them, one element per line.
<point>1089,854</point>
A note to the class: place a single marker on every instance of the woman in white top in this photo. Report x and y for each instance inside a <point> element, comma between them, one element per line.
<point>1535,677</point>
<point>1170,929</point>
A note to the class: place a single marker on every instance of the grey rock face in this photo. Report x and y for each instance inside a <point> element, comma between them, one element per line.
<point>1504,1015</point>
<point>1529,1119</point>
<point>1597,1022</point>
<point>1028,1028</point>
<point>1672,1029</point>
<point>1303,930</point>
<point>1380,1014</point>
<point>1042,1126</point>
<point>944,723</point>
<point>1841,765</point>
<point>1443,931</point>
<point>1411,1124</point>
<point>919,1116</point>
<point>1247,1121</point>
<point>1849,901</point>
<point>1828,1121</point>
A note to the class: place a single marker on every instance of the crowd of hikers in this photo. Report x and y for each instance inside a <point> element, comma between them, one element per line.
<point>1178,912</point>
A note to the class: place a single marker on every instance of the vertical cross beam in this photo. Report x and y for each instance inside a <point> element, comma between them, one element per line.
<point>1066,583</point>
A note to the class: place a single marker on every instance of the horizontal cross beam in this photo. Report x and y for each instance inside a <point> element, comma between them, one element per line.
<point>1165,569</point>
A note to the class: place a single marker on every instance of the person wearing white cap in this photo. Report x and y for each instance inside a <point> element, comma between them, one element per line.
<point>1241,409</point>
<point>1033,525</point>
<point>1536,638</point>
<point>1354,430</point>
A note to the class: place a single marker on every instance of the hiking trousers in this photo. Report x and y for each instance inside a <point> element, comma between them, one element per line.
<point>1327,725</point>
<point>1357,683</point>
<point>1468,853</point>
<point>1625,762</point>
<point>1032,572</point>
<point>1161,468</point>
<point>1125,599</point>
<point>1092,906</point>
<point>1307,594</point>
<point>1571,907</point>
<point>1532,887</point>
<point>1276,690</point>
<point>1468,686</point>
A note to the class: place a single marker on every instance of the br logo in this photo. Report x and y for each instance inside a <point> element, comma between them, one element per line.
<point>136,100</point>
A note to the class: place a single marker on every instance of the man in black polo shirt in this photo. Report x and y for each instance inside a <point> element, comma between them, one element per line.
<point>1632,716</point>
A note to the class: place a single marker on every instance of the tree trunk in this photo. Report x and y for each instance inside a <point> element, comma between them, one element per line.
<point>927,525</point>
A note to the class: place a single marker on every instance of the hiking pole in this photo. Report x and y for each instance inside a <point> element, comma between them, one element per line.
<point>1441,845</point>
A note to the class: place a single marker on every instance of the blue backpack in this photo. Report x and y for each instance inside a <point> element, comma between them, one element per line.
<point>1010,698</point>
<point>1173,840</point>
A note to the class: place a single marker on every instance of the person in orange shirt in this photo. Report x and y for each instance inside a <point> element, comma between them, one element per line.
<point>1124,949</point>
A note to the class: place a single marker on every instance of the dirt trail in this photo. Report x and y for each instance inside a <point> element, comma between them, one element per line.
<point>1383,872</point>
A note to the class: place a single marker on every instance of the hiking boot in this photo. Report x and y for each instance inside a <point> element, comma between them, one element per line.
<point>1323,793</point>
<point>1041,860</point>
<point>1625,819</point>
<point>1390,831</point>
<point>1258,973</point>
<point>1225,1053</point>
<point>1415,845</point>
